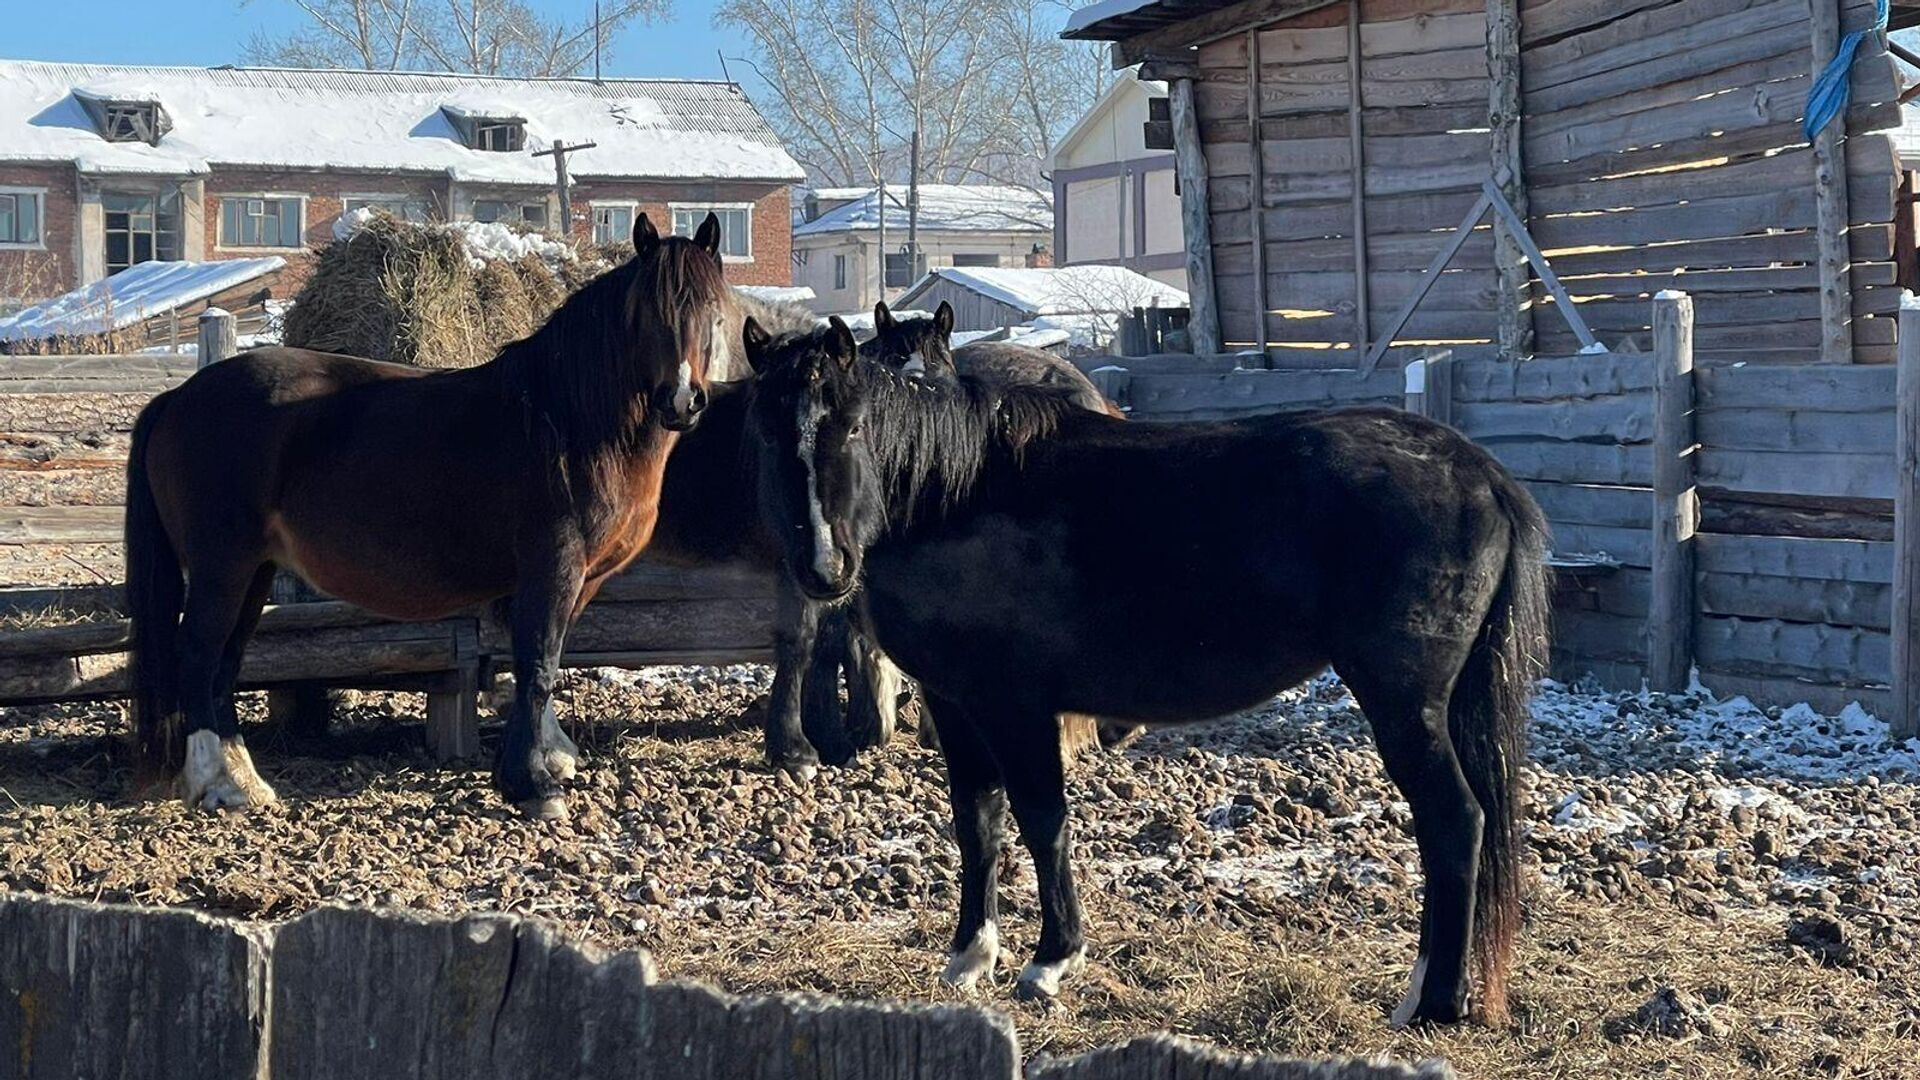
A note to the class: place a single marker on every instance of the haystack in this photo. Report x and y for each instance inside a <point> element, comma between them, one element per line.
<point>433,295</point>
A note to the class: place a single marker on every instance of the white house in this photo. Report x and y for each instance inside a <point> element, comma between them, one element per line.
<point>1084,301</point>
<point>837,248</point>
<point>1115,200</point>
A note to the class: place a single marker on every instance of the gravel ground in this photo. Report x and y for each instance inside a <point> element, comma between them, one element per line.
<point>1717,891</point>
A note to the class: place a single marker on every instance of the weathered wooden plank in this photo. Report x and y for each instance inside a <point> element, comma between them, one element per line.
<point>1822,388</point>
<point>1247,392</point>
<point>61,524</point>
<point>1551,378</point>
<point>1870,184</point>
<point>1868,476</point>
<point>1864,561</point>
<point>1826,699</point>
<point>1690,38</point>
<point>1759,250</point>
<point>1575,463</point>
<point>1593,504</point>
<point>1626,419</point>
<point>1797,430</point>
<point>107,991</point>
<point>1772,648</point>
<point>1904,619</point>
<point>1708,218</point>
<point>1596,636</point>
<point>1757,596</point>
<point>1630,546</point>
<point>73,412</point>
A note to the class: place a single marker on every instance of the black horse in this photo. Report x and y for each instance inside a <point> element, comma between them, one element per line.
<point>1021,557</point>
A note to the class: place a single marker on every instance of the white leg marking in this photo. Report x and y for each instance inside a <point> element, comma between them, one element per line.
<point>965,968</point>
<point>219,775</point>
<point>1043,980</point>
<point>562,756</point>
<point>822,534</point>
<point>1403,1013</point>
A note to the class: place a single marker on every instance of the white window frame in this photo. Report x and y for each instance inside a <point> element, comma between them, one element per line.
<point>425,202</point>
<point>220,223</point>
<point>39,195</point>
<point>673,210</point>
<point>631,206</point>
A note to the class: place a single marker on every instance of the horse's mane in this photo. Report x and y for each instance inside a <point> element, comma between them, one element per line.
<point>931,441</point>
<point>581,372</point>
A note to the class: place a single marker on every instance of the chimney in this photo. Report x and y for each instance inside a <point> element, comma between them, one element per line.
<point>1039,258</point>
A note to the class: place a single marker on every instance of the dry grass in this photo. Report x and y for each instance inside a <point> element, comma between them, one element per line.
<point>411,294</point>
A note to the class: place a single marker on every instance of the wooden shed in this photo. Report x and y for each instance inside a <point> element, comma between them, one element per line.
<point>1646,144</point>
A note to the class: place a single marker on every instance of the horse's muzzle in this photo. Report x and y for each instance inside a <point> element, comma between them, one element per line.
<point>676,414</point>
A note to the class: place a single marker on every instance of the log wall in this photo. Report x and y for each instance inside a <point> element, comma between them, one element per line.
<point>95,990</point>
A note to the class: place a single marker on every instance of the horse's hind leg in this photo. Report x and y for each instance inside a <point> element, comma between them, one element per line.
<point>222,607</point>
<point>1404,694</point>
<point>979,804</point>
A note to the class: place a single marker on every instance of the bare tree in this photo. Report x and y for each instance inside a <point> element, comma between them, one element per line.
<point>487,37</point>
<point>985,82</point>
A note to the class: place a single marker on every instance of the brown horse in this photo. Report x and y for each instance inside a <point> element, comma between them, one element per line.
<point>413,494</point>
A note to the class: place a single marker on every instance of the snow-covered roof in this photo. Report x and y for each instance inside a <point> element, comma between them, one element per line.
<point>387,121</point>
<point>943,208</point>
<point>133,295</point>
<point>1098,12</point>
<point>779,294</point>
<point>1061,290</point>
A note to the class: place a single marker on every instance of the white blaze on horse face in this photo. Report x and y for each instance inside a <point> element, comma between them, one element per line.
<point>719,364</point>
<point>916,364</point>
<point>809,425</point>
<point>683,390</point>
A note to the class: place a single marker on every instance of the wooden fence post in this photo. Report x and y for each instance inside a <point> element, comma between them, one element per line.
<point>453,703</point>
<point>218,339</point>
<point>1430,386</point>
<point>1830,202</point>
<point>1676,508</point>
<point>1905,721</point>
<point>1190,165</point>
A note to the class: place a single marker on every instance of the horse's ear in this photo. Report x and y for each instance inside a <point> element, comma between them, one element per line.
<point>708,235</point>
<point>882,318</point>
<point>943,319</point>
<point>756,340</point>
<point>645,237</point>
<point>844,348</point>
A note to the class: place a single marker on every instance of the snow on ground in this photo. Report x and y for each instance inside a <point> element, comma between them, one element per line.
<point>133,295</point>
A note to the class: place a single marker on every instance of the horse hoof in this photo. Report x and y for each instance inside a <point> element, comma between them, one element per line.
<point>965,968</point>
<point>219,775</point>
<point>546,808</point>
<point>1041,982</point>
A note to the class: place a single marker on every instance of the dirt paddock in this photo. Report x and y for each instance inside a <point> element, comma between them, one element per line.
<point>1716,891</point>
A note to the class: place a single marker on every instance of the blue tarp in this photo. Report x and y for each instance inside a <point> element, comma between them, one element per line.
<point>1834,88</point>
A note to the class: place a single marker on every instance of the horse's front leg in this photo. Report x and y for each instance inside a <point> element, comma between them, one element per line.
<point>1026,743</point>
<point>796,624</point>
<point>528,771</point>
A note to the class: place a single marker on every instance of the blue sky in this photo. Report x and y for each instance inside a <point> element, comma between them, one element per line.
<point>209,32</point>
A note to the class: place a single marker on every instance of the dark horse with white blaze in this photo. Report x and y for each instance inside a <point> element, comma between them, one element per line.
<point>414,494</point>
<point>1021,557</point>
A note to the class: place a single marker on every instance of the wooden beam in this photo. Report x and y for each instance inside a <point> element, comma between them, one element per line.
<point>1504,116</point>
<point>1905,721</point>
<point>1257,184</point>
<point>1676,507</point>
<point>1190,164</point>
<point>1211,26</point>
<point>1830,203</point>
<point>1362,301</point>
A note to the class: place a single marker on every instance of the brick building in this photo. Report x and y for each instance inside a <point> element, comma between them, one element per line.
<point>102,166</point>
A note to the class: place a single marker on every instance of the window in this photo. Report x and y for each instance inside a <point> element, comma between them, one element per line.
<point>131,121</point>
<point>500,136</point>
<point>612,224</point>
<point>140,227</point>
<point>531,213</point>
<point>736,226</point>
<point>970,258</point>
<point>900,270</point>
<point>839,271</point>
<point>404,207</point>
<point>260,222</point>
<point>19,218</point>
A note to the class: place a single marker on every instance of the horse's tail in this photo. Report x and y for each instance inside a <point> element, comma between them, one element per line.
<point>155,591</point>
<point>1487,720</point>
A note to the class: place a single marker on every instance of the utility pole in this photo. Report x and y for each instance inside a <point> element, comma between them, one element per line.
<point>913,207</point>
<point>558,152</point>
<point>880,201</point>
<point>596,42</point>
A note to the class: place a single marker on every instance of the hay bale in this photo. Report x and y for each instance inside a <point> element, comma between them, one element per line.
<point>427,295</point>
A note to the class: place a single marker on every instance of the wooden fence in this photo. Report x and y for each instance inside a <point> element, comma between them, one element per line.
<point>1777,541</point>
<point>95,990</point>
